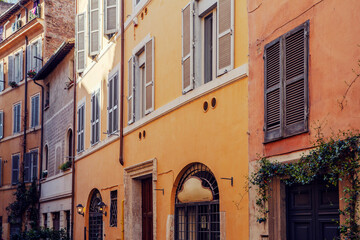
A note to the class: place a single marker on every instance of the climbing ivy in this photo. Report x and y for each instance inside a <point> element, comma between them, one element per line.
<point>333,160</point>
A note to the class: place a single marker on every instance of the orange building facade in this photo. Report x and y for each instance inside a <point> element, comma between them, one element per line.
<point>185,154</point>
<point>303,56</point>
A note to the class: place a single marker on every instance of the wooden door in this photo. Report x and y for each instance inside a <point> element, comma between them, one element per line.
<point>312,212</point>
<point>147,209</point>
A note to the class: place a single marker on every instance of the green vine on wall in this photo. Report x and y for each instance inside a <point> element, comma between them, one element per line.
<point>335,160</point>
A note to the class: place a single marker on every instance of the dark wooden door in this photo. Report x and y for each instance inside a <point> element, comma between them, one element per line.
<point>147,209</point>
<point>312,212</point>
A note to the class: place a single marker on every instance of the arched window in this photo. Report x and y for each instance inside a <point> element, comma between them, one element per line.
<point>70,145</point>
<point>197,205</point>
<point>46,157</point>
<point>95,217</point>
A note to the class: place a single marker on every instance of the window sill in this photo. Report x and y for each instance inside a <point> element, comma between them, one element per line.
<point>283,138</point>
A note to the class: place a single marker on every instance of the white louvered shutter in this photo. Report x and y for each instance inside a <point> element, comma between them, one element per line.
<point>97,116</point>
<point>11,72</point>
<point>78,130</point>
<point>111,20</point>
<point>110,105</point>
<point>149,76</point>
<point>2,79</point>
<point>94,27</point>
<point>37,110</point>
<point>80,42</point>
<point>116,102</point>
<point>131,91</point>
<point>225,41</point>
<point>92,121</point>
<point>28,58</point>
<point>20,67</point>
<point>1,125</point>
<point>188,47</point>
<point>39,55</point>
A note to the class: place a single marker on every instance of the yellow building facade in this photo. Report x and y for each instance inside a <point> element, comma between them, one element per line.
<point>184,162</point>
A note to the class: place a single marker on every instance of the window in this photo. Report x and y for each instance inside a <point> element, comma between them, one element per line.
<point>35,56</point>
<point>113,208</point>
<point>70,145</point>
<point>15,169</point>
<point>31,166</point>
<point>17,118</point>
<point>141,83</point>
<point>111,19</point>
<point>15,68</point>
<point>80,128</point>
<point>94,27</point>
<point>35,105</point>
<point>58,157</point>
<point>1,124</point>
<point>56,220</point>
<point>207,41</point>
<point>35,11</point>
<point>47,96</point>
<point>45,217</point>
<point>46,153</point>
<point>17,24</point>
<point>2,79</point>
<point>95,117</point>
<point>80,42</point>
<point>113,101</point>
<point>286,84</point>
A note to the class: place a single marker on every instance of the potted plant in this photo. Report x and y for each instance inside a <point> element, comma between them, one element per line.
<point>65,166</point>
<point>13,84</point>
<point>31,73</point>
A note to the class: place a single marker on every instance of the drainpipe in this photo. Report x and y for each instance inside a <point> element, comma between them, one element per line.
<point>41,138</point>
<point>25,108</point>
<point>73,157</point>
<point>121,157</point>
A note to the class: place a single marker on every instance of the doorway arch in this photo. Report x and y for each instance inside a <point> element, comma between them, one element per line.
<point>95,217</point>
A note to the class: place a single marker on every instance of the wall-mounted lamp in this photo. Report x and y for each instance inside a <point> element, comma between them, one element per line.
<point>101,207</point>
<point>80,209</point>
<point>230,179</point>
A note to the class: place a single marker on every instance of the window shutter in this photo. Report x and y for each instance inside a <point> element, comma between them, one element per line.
<point>80,42</point>
<point>27,167</point>
<point>78,130</point>
<point>225,43</point>
<point>11,72</point>
<point>273,93</point>
<point>188,47</point>
<point>0,172</point>
<point>111,19</point>
<point>97,116</point>
<point>37,110</point>
<point>82,127</point>
<point>39,55</point>
<point>32,112</point>
<point>92,121</point>
<point>2,79</point>
<point>295,80</point>
<point>28,58</point>
<point>110,105</point>
<point>34,157</point>
<point>149,76</point>
<point>15,170</point>
<point>20,67</point>
<point>115,103</point>
<point>1,125</point>
<point>131,91</point>
<point>94,27</point>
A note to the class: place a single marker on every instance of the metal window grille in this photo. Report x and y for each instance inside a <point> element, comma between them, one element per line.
<point>113,209</point>
<point>198,220</point>
<point>95,218</point>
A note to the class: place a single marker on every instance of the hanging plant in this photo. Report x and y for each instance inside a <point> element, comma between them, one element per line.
<point>333,161</point>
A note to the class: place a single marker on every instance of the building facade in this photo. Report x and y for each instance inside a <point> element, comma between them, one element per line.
<point>302,64</point>
<point>185,145</point>
<point>28,38</point>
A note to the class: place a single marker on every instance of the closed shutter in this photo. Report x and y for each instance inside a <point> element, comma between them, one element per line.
<point>17,118</point>
<point>295,80</point>
<point>82,122</point>
<point>94,27</point>
<point>225,43</point>
<point>80,42</point>
<point>131,91</point>
<point>27,167</point>
<point>1,175</point>
<point>1,125</point>
<point>20,67</point>
<point>2,79</point>
<point>111,19</point>
<point>15,169</point>
<point>39,55</point>
<point>32,112</point>
<point>273,92</point>
<point>78,130</point>
<point>11,70</point>
<point>37,110</point>
<point>34,163</point>
<point>97,116</point>
<point>188,47</point>
<point>149,76</point>
<point>92,121</point>
<point>110,105</point>
<point>116,102</point>
<point>28,58</point>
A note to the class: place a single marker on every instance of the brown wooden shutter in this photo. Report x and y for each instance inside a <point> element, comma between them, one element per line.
<point>111,20</point>
<point>295,80</point>
<point>273,93</point>
<point>11,72</point>
<point>188,47</point>
<point>225,43</point>
<point>94,27</point>
<point>149,76</point>
<point>131,91</point>
<point>80,42</point>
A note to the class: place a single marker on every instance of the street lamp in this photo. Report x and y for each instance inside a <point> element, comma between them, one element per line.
<point>80,209</point>
<point>101,207</point>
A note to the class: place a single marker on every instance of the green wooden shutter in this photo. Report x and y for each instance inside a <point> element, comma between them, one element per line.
<point>295,81</point>
<point>273,91</point>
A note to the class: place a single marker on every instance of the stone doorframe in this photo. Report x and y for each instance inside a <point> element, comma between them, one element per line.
<point>132,204</point>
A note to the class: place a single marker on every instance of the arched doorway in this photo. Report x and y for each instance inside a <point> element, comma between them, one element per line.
<point>95,217</point>
<point>197,205</point>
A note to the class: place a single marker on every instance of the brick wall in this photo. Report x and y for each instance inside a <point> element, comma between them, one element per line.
<point>59,24</point>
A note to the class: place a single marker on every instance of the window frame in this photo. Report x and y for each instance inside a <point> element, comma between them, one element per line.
<point>17,69</point>
<point>113,204</point>
<point>31,154</point>
<point>15,124</point>
<point>37,95</point>
<point>81,147</point>
<point>213,11</point>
